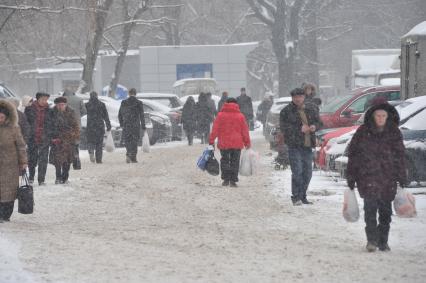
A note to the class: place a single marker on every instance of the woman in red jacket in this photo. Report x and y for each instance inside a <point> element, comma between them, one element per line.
<point>231,130</point>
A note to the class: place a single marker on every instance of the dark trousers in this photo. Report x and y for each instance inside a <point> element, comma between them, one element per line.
<point>131,149</point>
<point>96,149</point>
<point>76,164</point>
<point>62,171</point>
<point>230,164</point>
<point>301,171</point>
<point>205,136</point>
<point>190,136</point>
<point>6,210</point>
<point>38,155</point>
<point>377,234</point>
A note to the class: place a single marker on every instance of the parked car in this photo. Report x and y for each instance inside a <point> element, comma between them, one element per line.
<point>166,121</point>
<point>411,107</point>
<point>414,134</point>
<point>272,124</point>
<point>5,92</point>
<point>167,99</point>
<point>345,110</point>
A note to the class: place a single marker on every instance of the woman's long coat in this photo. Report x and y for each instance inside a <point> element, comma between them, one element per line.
<point>377,159</point>
<point>97,119</point>
<point>12,154</point>
<point>63,126</point>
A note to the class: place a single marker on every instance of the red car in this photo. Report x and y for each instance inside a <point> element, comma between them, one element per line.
<point>345,110</point>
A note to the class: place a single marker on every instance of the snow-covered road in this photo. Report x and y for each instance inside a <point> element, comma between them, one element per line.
<point>162,220</point>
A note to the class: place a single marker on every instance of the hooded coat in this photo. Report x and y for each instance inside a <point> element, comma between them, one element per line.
<point>377,158</point>
<point>63,126</point>
<point>97,118</point>
<point>12,154</point>
<point>230,128</point>
<point>132,119</point>
<point>189,117</point>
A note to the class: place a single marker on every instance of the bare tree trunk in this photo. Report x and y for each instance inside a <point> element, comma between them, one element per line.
<point>311,51</point>
<point>95,40</point>
<point>125,41</point>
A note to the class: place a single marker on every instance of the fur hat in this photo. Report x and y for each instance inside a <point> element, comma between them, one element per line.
<point>9,110</point>
<point>60,99</point>
<point>297,91</point>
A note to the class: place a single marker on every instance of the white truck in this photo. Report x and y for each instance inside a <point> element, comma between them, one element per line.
<point>372,67</point>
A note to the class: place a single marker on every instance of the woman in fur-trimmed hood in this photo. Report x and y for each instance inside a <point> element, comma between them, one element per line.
<point>13,158</point>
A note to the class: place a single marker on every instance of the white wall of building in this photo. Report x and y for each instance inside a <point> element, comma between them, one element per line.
<point>158,65</point>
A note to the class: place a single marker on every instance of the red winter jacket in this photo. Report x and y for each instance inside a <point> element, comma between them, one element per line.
<point>230,127</point>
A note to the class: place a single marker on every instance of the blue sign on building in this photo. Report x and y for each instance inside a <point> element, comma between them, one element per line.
<point>185,71</point>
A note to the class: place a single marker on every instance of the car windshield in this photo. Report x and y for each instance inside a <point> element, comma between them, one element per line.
<point>156,106</point>
<point>416,122</point>
<point>171,102</point>
<point>335,104</point>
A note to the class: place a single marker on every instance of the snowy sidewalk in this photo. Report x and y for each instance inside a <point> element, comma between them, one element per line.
<point>162,220</point>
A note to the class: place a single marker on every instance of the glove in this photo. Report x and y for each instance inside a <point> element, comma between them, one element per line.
<point>351,184</point>
<point>56,141</point>
<point>213,146</point>
<point>402,183</point>
<point>109,129</point>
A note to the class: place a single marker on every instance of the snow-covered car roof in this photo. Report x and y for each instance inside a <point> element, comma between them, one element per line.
<point>157,106</point>
<point>181,82</point>
<point>410,107</point>
<point>155,94</point>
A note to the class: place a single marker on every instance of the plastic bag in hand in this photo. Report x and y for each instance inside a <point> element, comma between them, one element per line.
<point>404,204</point>
<point>109,143</point>
<point>350,206</point>
<point>145,143</point>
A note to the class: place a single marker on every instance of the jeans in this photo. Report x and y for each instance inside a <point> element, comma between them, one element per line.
<point>377,234</point>
<point>301,171</point>
<point>6,210</point>
<point>38,155</point>
<point>230,164</point>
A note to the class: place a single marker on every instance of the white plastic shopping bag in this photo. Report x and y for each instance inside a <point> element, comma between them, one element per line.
<point>404,204</point>
<point>350,206</point>
<point>145,143</point>
<point>248,162</point>
<point>109,143</point>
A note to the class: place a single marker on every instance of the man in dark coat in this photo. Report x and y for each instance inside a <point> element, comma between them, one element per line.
<point>131,118</point>
<point>64,132</point>
<point>376,163</point>
<point>298,123</point>
<point>97,118</point>
<point>38,143</point>
<point>246,107</point>
<point>263,109</point>
<point>222,100</point>
<point>189,119</point>
<point>205,117</point>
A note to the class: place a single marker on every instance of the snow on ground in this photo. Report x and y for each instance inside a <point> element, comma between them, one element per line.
<point>163,220</point>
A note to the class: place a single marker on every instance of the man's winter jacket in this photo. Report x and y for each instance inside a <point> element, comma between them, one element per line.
<point>131,118</point>
<point>97,118</point>
<point>291,124</point>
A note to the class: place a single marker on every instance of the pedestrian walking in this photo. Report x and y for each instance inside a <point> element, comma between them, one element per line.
<point>231,130</point>
<point>298,123</point>
<point>376,164</point>
<point>13,158</point>
<point>264,108</point>
<point>246,107</point>
<point>77,105</point>
<point>64,133</point>
<point>189,119</point>
<point>211,103</point>
<point>38,143</point>
<point>132,120</point>
<point>205,117</point>
<point>222,100</point>
<point>97,119</point>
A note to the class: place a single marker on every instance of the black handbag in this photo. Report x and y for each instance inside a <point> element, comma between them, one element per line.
<point>76,163</point>
<point>25,196</point>
<point>212,165</point>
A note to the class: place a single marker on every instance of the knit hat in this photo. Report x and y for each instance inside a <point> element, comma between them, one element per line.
<point>41,94</point>
<point>60,99</point>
